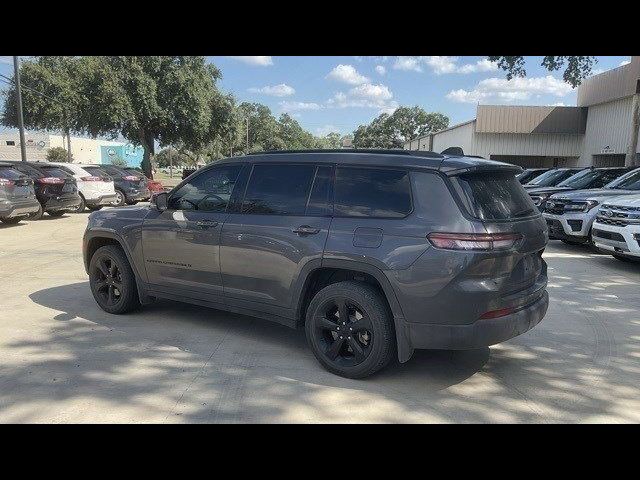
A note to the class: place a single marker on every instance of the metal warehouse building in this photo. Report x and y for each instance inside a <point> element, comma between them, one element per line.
<point>595,132</point>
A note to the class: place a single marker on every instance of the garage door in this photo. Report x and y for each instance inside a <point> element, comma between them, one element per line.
<point>616,160</point>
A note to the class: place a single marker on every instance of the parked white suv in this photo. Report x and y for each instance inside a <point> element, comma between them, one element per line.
<point>616,229</point>
<point>96,191</point>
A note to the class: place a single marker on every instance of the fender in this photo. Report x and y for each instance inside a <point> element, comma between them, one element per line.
<point>405,350</point>
<point>111,234</point>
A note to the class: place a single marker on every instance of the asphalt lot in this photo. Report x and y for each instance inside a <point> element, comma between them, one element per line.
<point>62,360</point>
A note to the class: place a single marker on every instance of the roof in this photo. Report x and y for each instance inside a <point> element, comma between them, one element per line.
<point>531,119</point>
<point>611,85</point>
<point>381,158</point>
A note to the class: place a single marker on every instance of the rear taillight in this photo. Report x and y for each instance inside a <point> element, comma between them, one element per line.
<point>91,179</point>
<point>50,180</point>
<point>474,241</point>
<point>131,178</point>
<point>5,182</point>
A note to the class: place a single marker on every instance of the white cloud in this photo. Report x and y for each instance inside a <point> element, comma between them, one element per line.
<point>280,90</point>
<point>624,62</point>
<point>326,130</point>
<point>558,104</point>
<point>483,65</point>
<point>287,106</point>
<point>408,64</point>
<point>441,65</point>
<point>380,69</point>
<point>347,74</point>
<point>366,95</point>
<point>259,61</point>
<point>6,59</point>
<point>506,91</point>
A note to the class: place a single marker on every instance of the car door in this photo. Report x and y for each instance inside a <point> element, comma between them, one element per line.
<point>279,228</point>
<point>181,244</point>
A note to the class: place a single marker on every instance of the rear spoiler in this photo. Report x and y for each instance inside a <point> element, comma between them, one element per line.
<point>490,166</point>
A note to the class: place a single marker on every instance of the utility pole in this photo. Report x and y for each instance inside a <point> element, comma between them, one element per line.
<point>247,134</point>
<point>632,155</point>
<point>23,146</point>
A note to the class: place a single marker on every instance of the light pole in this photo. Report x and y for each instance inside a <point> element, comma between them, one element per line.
<point>23,146</point>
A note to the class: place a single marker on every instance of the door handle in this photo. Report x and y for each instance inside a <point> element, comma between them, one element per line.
<point>206,224</point>
<point>306,230</point>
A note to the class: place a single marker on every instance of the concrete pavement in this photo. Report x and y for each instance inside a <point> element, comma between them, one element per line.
<point>63,360</point>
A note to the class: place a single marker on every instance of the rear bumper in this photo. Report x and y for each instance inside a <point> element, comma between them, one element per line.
<point>20,208</point>
<point>482,333</point>
<point>102,200</point>
<point>62,203</point>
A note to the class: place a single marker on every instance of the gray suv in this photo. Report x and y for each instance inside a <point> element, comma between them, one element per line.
<point>375,253</point>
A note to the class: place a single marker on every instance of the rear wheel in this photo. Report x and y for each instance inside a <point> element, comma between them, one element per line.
<point>11,221</point>
<point>57,213</point>
<point>112,280</point>
<point>120,199</point>
<point>350,330</point>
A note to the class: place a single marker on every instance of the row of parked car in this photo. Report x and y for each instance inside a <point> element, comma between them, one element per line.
<point>598,206</point>
<point>31,189</point>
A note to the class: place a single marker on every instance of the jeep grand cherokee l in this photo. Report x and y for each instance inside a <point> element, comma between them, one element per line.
<point>375,253</point>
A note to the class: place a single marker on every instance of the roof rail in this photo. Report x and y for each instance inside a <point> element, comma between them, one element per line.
<point>418,153</point>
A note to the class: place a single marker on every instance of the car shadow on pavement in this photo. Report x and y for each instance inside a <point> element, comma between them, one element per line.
<point>10,225</point>
<point>211,366</point>
<point>172,362</point>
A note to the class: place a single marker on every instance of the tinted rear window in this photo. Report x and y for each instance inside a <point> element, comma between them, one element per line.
<point>368,192</point>
<point>113,171</point>
<point>494,196</point>
<point>55,172</point>
<point>96,171</point>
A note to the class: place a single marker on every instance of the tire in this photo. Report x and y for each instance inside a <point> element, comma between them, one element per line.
<point>37,215</point>
<point>11,221</point>
<point>375,343</point>
<point>57,213</point>
<point>112,281</point>
<point>81,207</point>
<point>121,199</point>
<point>95,208</point>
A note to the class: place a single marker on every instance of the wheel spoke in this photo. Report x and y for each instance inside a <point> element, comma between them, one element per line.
<point>102,266</point>
<point>361,324</point>
<point>358,352</point>
<point>111,297</point>
<point>334,349</point>
<point>343,310</point>
<point>324,323</point>
<point>100,284</point>
<point>113,269</point>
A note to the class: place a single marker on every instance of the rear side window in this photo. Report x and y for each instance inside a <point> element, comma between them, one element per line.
<point>278,189</point>
<point>369,192</point>
<point>494,195</point>
<point>320,198</point>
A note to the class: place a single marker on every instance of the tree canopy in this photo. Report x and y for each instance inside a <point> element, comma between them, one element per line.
<point>404,124</point>
<point>577,68</point>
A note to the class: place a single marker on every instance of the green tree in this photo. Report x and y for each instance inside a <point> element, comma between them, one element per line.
<point>404,124</point>
<point>58,154</point>
<point>145,99</point>
<point>577,68</point>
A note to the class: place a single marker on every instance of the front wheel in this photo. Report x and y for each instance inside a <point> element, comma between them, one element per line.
<point>350,330</point>
<point>112,280</point>
<point>57,213</point>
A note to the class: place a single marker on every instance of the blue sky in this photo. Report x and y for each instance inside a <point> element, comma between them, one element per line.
<point>339,93</point>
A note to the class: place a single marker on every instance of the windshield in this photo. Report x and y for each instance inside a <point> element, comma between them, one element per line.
<point>552,177</point>
<point>630,181</point>
<point>591,178</point>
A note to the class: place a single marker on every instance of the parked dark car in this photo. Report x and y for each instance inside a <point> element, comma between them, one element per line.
<point>130,188</point>
<point>56,190</point>
<point>154,186</point>
<point>375,253</point>
<point>589,178</point>
<point>529,174</point>
<point>17,196</point>
<point>552,178</point>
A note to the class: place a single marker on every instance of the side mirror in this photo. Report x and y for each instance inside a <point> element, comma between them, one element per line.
<point>159,200</point>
